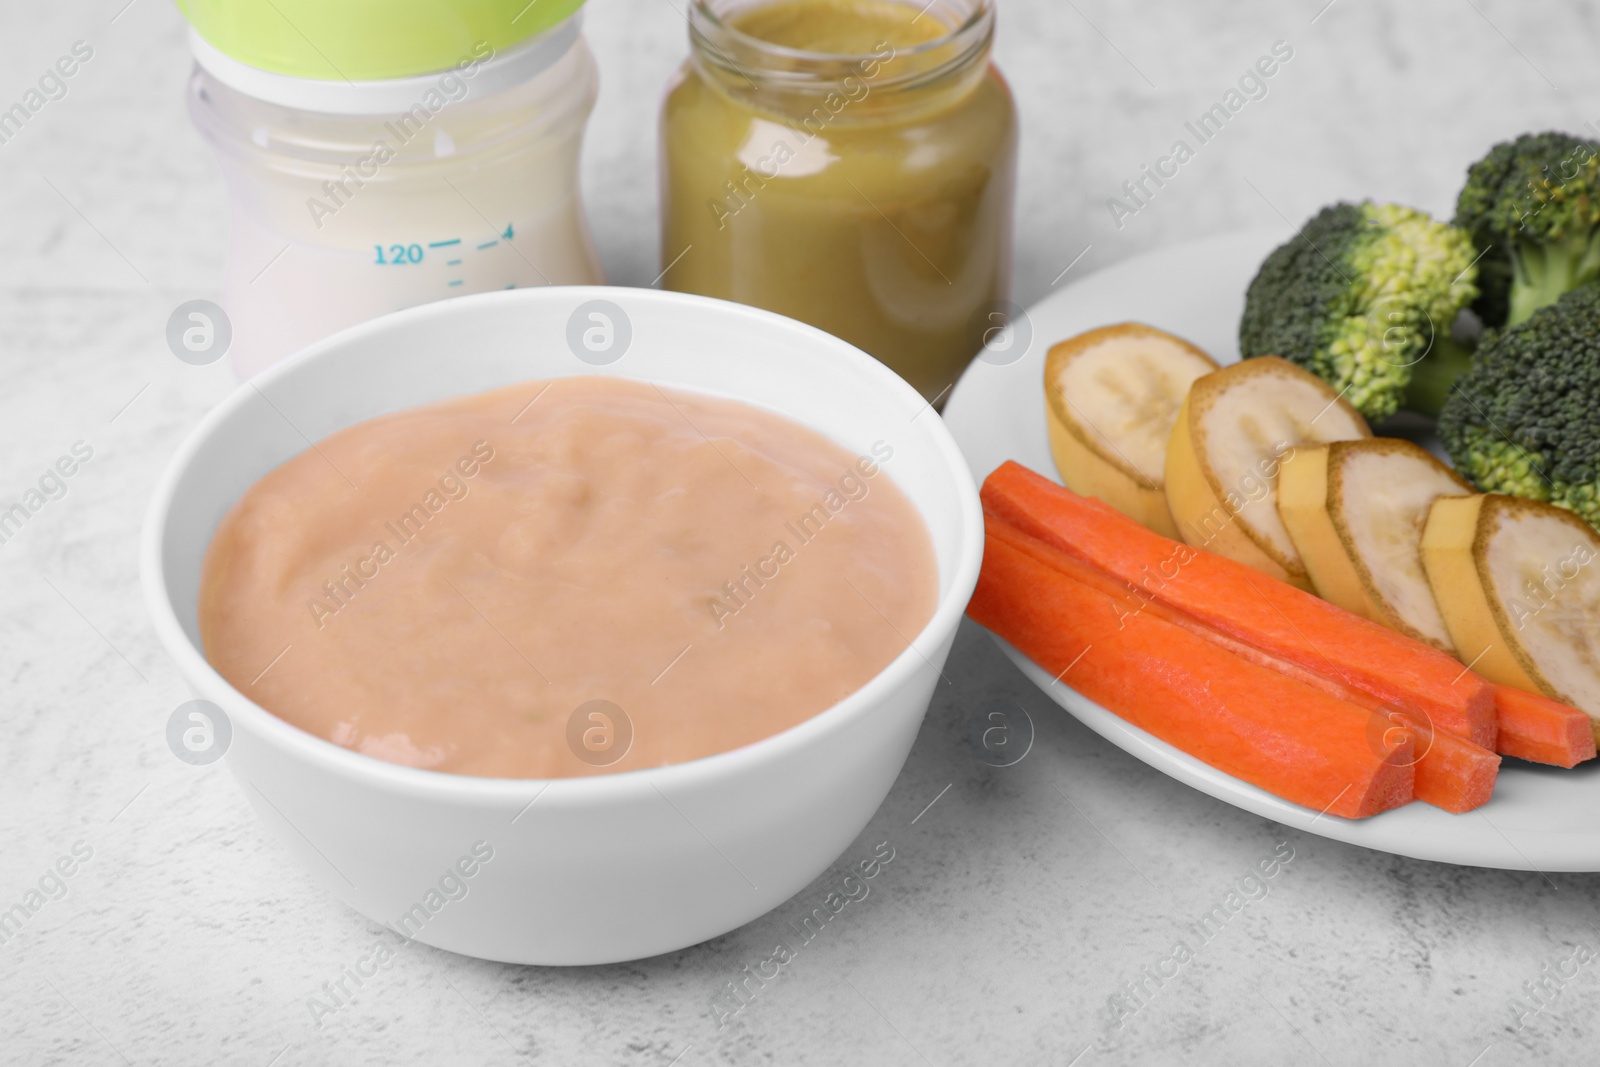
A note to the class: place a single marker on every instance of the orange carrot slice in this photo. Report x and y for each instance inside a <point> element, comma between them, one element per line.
<point>1534,727</point>
<point>1248,721</point>
<point>1451,772</point>
<point>1242,603</point>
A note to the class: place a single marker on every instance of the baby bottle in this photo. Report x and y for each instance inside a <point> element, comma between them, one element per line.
<point>383,153</point>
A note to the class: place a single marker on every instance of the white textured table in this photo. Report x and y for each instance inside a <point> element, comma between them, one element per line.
<point>1018,904</point>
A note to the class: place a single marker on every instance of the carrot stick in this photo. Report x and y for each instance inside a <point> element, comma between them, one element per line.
<point>1246,720</point>
<point>1451,772</point>
<point>1534,727</point>
<point>1242,603</point>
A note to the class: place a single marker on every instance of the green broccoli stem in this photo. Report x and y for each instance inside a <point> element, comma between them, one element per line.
<point>1542,272</point>
<point>1432,379</point>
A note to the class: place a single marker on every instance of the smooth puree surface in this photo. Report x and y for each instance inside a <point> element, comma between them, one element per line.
<point>443,587</point>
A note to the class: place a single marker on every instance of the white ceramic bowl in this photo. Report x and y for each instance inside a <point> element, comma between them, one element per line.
<point>597,869</point>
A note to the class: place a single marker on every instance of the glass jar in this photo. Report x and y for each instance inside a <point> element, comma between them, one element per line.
<point>848,163</point>
<point>352,199</point>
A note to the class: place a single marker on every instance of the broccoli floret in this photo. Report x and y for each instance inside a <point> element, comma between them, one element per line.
<point>1532,207</point>
<point>1359,298</point>
<point>1523,419</point>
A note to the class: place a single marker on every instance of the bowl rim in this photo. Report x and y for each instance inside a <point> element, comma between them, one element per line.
<point>419,782</point>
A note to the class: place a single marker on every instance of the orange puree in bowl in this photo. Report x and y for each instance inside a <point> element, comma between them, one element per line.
<point>452,586</point>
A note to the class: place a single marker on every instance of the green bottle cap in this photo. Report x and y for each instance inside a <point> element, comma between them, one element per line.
<point>367,40</point>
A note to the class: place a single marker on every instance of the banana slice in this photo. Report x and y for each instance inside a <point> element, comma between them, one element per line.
<point>1355,511</point>
<point>1518,582</point>
<point>1234,431</point>
<point>1113,395</point>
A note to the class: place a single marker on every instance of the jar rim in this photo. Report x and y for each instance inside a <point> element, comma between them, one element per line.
<point>709,32</point>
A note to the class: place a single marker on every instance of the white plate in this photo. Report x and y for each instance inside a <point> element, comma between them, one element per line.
<point>1541,818</point>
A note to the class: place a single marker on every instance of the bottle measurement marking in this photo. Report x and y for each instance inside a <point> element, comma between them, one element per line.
<point>399,254</point>
<point>453,282</point>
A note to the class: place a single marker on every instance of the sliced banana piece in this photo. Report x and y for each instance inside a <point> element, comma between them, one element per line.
<point>1518,582</point>
<point>1355,511</point>
<point>1233,433</point>
<point>1113,394</point>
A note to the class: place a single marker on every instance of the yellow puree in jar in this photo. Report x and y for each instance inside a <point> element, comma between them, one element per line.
<point>878,212</point>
